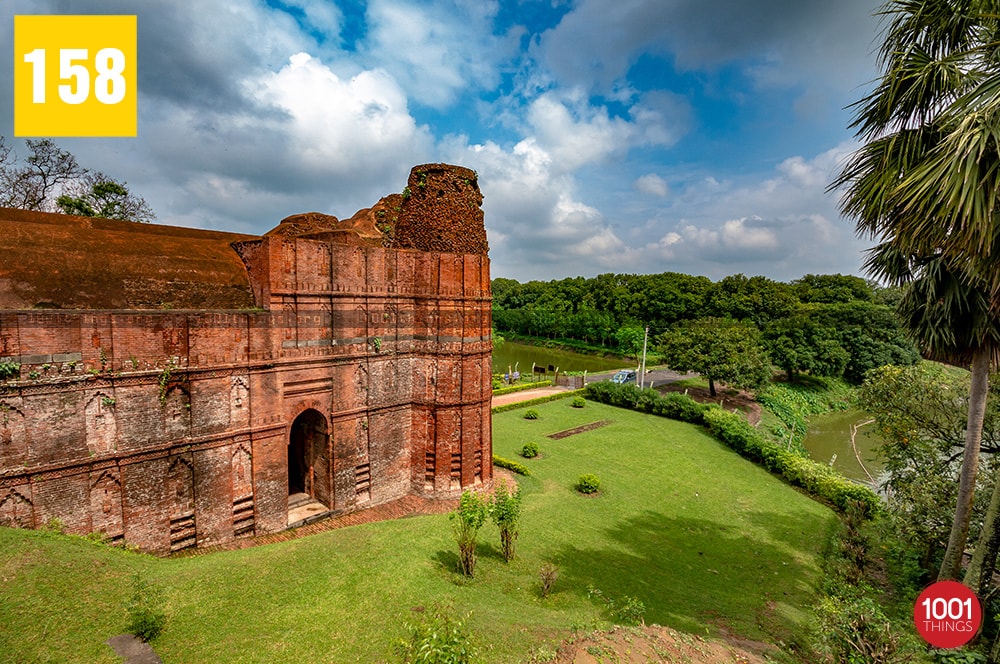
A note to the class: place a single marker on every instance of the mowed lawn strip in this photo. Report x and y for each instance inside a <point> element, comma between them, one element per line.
<point>701,537</point>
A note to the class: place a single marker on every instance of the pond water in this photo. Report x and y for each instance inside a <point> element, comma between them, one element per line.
<point>830,434</point>
<point>510,353</point>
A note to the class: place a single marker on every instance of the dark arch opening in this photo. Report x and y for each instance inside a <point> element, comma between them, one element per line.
<point>308,466</point>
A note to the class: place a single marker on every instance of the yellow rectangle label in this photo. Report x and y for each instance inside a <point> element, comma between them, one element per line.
<point>75,76</point>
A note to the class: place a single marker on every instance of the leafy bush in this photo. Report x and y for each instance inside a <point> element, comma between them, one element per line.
<point>466,521</point>
<point>530,450</point>
<point>628,611</point>
<point>579,402</point>
<point>531,414</point>
<point>505,512</point>
<point>856,631</point>
<point>437,638</point>
<point>510,465</point>
<point>588,483</point>
<point>955,656</point>
<point>146,618</point>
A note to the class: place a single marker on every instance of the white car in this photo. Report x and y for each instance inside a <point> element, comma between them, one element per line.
<point>623,376</point>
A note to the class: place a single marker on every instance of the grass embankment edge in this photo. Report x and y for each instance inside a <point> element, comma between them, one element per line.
<point>820,481</point>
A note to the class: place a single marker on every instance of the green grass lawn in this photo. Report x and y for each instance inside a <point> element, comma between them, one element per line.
<point>705,540</point>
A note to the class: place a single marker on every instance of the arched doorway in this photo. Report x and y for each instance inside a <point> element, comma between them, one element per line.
<point>309,470</point>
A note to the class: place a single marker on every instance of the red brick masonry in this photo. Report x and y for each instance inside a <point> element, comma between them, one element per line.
<point>172,387</point>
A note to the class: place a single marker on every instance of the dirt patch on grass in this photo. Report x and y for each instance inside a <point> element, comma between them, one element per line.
<point>652,643</point>
<point>727,398</point>
<point>558,435</point>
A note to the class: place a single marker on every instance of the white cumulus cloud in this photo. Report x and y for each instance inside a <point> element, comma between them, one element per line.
<point>341,125</point>
<point>652,184</point>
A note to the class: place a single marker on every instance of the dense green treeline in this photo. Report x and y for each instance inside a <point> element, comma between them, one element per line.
<point>828,325</point>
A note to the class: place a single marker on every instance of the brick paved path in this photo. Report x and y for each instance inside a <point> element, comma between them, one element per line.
<point>525,395</point>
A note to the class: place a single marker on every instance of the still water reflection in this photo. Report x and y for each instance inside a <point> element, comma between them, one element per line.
<point>830,434</point>
<point>511,353</point>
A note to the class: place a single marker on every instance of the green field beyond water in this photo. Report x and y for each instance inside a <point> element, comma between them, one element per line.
<point>704,539</point>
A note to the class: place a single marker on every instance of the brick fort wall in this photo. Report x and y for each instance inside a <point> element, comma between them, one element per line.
<point>172,388</point>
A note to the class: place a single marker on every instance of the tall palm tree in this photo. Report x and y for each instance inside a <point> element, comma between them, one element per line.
<point>926,182</point>
<point>947,312</point>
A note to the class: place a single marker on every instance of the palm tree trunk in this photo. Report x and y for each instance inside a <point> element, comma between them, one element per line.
<point>983,564</point>
<point>952,563</point>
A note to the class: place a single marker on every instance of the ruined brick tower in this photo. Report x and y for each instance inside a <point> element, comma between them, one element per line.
<point>173,387</point>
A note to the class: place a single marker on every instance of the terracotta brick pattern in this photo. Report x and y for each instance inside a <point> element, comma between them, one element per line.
<point>358,373</point>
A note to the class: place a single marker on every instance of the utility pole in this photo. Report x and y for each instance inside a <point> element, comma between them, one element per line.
<point>642,367</point>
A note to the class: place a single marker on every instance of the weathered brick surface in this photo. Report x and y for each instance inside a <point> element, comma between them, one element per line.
<point>171,429</point>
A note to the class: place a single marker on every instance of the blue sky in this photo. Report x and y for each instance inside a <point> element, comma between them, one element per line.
<point>631,136</point>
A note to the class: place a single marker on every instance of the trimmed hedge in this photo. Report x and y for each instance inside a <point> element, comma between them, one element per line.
<point>736,433</point>
<point>816,478</point>
<point>510,465</point>
<point>520,388</point>
<point>674,406</point>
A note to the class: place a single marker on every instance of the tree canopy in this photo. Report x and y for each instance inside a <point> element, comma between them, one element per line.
<point>829,325</point>
<point>50,179</point>
<point>720,349</point>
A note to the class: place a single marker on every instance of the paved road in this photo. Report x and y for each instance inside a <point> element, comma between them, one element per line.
<point>654,376</point>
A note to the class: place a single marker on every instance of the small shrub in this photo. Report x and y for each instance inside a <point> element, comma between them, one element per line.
<point>588,483</point>
<point>628,611</point>
<point>548,575</point>
<point>9,370</point>
<point>530,450</point>
<point>856,630</point>
<point>579,402</point>
<point>55,525</point>
<point>466,521</point>
<point>438,638</point>
<point>511,465</point>
<point>146,618</point>
<point>531,414</point>
<point>505,512</point>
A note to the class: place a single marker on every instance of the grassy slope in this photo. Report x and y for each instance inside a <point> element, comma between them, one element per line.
<point>701,537</point>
